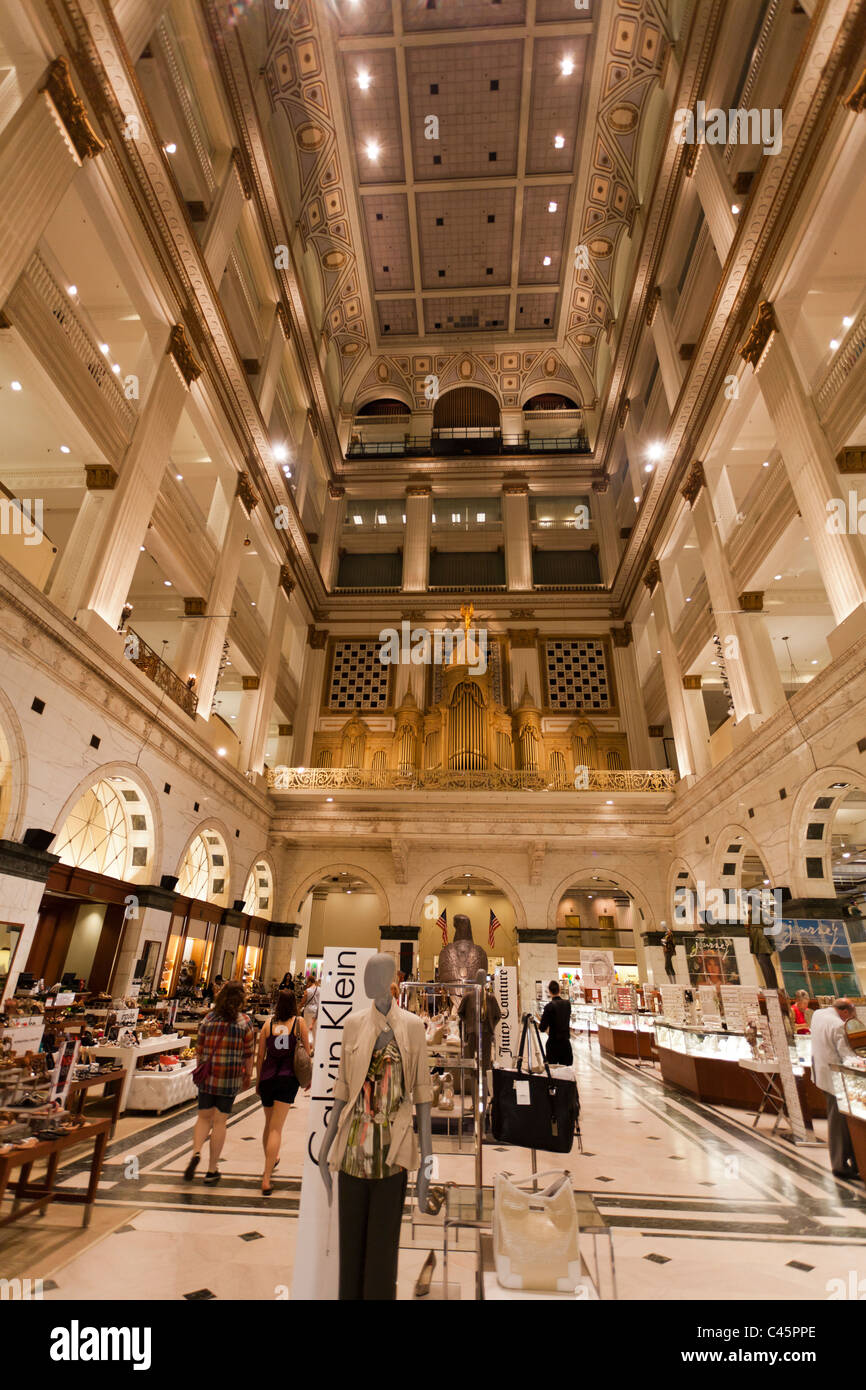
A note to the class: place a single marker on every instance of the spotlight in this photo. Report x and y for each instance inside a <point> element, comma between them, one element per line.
<point>170,148</point>
<point>551,207</point>
<point>566,66</point>
<point>372,149</point>
<point>558,142</point>
<point>364,81</point>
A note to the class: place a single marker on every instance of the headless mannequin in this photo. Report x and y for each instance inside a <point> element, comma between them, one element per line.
<point>379,975</point>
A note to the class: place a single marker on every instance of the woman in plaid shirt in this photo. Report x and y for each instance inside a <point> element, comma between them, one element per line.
<point>224,1048</point>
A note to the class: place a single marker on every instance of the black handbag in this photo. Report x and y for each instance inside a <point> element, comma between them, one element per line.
<point>534,1111</point>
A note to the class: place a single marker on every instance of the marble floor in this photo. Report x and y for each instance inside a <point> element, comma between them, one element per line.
<point>700,1205</point>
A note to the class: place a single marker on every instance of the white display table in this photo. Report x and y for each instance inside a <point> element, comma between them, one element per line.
<point>127,1057</point>
<point>159,1090</point>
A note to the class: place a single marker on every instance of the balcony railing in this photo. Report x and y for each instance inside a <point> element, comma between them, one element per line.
<point>850,351</point>
<point>286,779</point>
<point>153,666</point>
<point>450,443</point>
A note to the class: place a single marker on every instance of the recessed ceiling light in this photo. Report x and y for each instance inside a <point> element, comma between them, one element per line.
<point>221,752</point>
<point>141,547</point>
<point>103,347</point>
<point>363,80</point>
<point>280,453</point>
<point>252,603</point>
<point>167,583</point>
<point>766,463</point>
<point>72,290</point>
<point>655,451</point>
<point>815,662</point>
<point>16,385</point>
<point>608,803</point>
<point>688,600</point>
<point>834,343</point>
<point>170,148</point>
<point>558,142</point>
<point>64,448</point>
<point>372,149</point>
<point>329,798</point>
<point>647,468</point>
<point>115,367</point>
<point>179,477</point>
<point>546,261</point>
<point>777,576</point>
<point>566,66</point>
<point>637,501</point>
<point>551,207</point>
<point>735,208</point>
<point>846,854</point>
<point>847,321</point>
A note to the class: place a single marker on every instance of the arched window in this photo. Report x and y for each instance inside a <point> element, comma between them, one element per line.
<point>203,872</point>
<point>108,831</point>
<point>259,890</point>
<point>551,400</point>
<point>384,406</point>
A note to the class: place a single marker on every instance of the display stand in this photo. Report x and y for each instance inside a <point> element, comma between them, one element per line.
<point>127,1057</point>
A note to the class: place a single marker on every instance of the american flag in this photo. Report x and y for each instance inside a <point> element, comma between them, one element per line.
<point>442,924</point>
<point>495,924</point>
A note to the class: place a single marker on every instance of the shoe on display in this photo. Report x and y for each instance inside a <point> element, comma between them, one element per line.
<point>422,1283</point>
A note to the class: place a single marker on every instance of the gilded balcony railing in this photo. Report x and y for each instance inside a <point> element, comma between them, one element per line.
<point>286,779</point>
<point>145,658</point>
<point>852,347</point>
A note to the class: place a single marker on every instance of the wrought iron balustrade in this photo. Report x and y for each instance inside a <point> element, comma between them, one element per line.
<point>446,779</point>
<point>473,441</point>
<point>153,666</point>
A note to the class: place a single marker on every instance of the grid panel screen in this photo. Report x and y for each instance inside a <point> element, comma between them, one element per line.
<point>576,674</point>
<point>358,678</point>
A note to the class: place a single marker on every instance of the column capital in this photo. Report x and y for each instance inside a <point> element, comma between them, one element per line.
<point>522,637</point>
<point>621,636</point>
<point>623,412</point>
<point>656,730</point>
<point>851,460</point>
<point>246,493</point>
<point>317,637</point>
<point>652,304</point>
<point>181,352</point>
<point>419,490</point>
<point>856,99</point>
<point>760,333</point>
<point>515,489</point>
<point>691,683</point>
<point>283,316</point>
<point>194,607</point>
<point>240,168</point>
<point>751,601</point>
<point>70,112</point>
<point>286,581</point>
<point>653,575</point>
<point>99,477</point>
<point>694,482</point>
<point>249,682</point>
<point>336,491</point>
<point>601,484</point>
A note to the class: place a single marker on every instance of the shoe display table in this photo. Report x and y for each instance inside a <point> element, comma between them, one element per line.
<point>127,1057</point>
<point>160,1090</point>
<point>112,1081</point>
<point>36,1196</point>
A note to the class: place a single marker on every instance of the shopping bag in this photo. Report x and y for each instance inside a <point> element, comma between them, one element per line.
<point>535,1244</point>
<point>533,1111</point>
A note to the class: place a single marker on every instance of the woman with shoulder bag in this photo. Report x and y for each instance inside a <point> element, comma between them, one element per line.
<point>278,1078</point>
<point>224,1048</point>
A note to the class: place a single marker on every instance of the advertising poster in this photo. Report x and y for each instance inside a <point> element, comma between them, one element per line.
<point>505,989</point>
<point>597,968</point>
<point>711,960</point>
<point>815,955</point>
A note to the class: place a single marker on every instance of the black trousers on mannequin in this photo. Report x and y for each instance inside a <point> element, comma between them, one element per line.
<point>371,1210</point>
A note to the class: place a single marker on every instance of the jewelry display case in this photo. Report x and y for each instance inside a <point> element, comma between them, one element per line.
<point>626,1034</point>
<point>704,1061</point>
<point>583,1018</point>
<point>849,1087</point>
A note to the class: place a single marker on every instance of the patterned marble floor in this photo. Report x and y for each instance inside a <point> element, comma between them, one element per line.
<point>701,1205</point>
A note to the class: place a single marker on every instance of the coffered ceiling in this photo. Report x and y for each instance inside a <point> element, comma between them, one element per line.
<point>452,154</point>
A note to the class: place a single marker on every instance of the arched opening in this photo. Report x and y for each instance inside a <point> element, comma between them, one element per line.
<point>550,400</point>
<point>466,419</point>
<point>342,907</point>
<point>109,831</point>
<point>382,409</point>
<point>259,890</point>
<point>598,923</point>
<point>470,893</point>
<point>204,868</point>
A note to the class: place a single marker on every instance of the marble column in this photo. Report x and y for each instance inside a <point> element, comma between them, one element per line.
<point>219,605</point>
<point>604,516</point>
<point>696,719</point>
<point>515,525</point>
<point>136,20</point>
<point>666,350</point>
<point>391,938</point>
<point>83,549</point>
<point>716,198</point>
<point>416,541</point>
<point>255,759</point>
<point>310,696</point>
<point>124,524</point>
<point>40,149</point>
<point>332,530</point>
<point>537,961</point>
<point>671,672</point>
<point>811,469</point>
<point>279,951</point>
<point>629,696</point>
<point>754,691</point>
<point>222,223</point>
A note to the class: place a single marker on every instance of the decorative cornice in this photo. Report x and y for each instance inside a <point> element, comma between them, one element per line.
<point>313,421</point>
<point>99,477</point>
<point>154,896</point>
<point>242,172</point>
<point>419,490</point>
<point>751,601</point>
<point>623,412</point>
<point>283,316</point>
<point>522,614</point>
<point>761,332</point>
<point>694,482</point>
<point>543,936</point>
<point>336,492</point>
<point>621,636</point>
<point>601,484</point>
<point>287,583</point>
<point>317,638</point>
<point>283,930</point>
<point>246,493</point>
<point>515,489</point>
<point>70,111</point>
<point>21,861</point>
<point>184,359</point>
<point>395,933</point>
<point>652,306</point>
<point>653,575</point>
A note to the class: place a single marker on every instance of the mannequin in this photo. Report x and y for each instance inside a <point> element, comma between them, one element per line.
<point>384,1053</point>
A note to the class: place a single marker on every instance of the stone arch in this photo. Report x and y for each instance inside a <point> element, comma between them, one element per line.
<point>483,871</point>
<point>618,879</point>
<point>680,875</point>
<point>263,858</point>
<point>300,890</point>
<point>816,806</point>
<point>383,390</point>
<point>723,857</point>
<point>211,823</point>
<point>13,784</point>
<point>121,772</point>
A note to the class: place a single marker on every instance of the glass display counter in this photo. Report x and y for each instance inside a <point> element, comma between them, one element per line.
<point>626,1034</point>
<point>704,1061</point>
<point>583,1018</point>
<point>849,1086</point>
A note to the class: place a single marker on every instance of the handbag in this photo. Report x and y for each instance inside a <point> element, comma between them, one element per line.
<point>534,1111</point>
<point>202,1073</point>
<point>303,1062</point>
<point>535,1243</point>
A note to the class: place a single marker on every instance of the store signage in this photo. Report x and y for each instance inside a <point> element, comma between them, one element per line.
<point>597,968</point>
<point>316,1252</point>
<point>505,989</point>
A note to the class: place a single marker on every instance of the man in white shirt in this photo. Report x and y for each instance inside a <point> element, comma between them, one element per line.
<point>830,1045</point>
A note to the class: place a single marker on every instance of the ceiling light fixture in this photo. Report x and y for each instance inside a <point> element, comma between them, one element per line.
<point>558,142</point>
<point>608,803</point>
<point>72,290</point>
<point>551,207</point>
<point>179,477</point>
<point>637,501</point>
<point>834,343</point>
<point>280,452</point>
<point>64,448</point>
<point>372,149</point>
<point>115,367</point>
<point>847,321</point>
<point>777,576</point>
<point>170,148</point>
<point>566,66</point>
<point>329,798</point>
<point>167,583</point>
<point>655,451</point>
<point>16,385</point>
<point>766,463</point>
<point>364,80</point>
<point>735,208</point>
<point>382,518</point>
<point>546,261</point>
<point>221,752</point>
<point>103,347</point>
<point>847,854</point>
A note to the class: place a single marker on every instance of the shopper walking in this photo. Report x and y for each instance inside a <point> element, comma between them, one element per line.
<point>224,1048</point>
<point>311,1010</point>
<point>556,1022</point>
<point>277,1083</point>
<point>830,1045</point>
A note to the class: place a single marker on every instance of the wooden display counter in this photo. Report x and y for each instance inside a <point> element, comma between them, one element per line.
<point>720,1081</point>
<point>624,1042</point>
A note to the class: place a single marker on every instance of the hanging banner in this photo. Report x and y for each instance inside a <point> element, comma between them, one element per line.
<point>505,989</point>
<point>316,1253</point>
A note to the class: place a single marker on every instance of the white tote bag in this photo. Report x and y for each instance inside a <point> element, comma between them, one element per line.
<point>535,1235</point>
